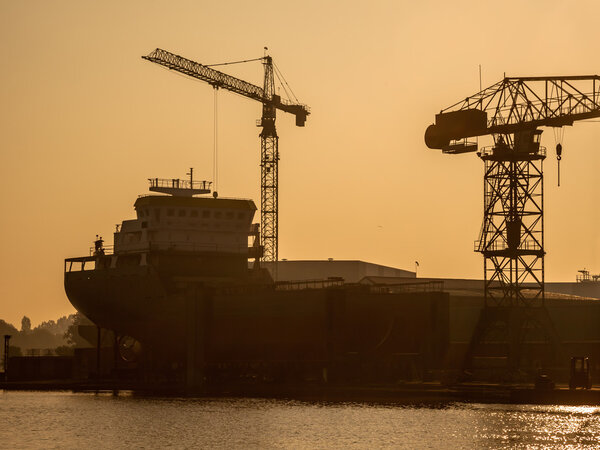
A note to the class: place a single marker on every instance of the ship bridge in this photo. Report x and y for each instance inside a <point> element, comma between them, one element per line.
<point>186,223</point>
<point>186,220</point>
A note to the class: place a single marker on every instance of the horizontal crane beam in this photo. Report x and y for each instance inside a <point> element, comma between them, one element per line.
<point>556,78</point>
<point>205,73</point>
<point>516,104</point>
<point>222,80</point>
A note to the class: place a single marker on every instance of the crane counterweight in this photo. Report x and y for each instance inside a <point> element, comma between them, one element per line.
<point>454,125</point>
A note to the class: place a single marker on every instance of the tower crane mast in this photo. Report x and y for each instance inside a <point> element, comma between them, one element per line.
<point>512,234</point>
<point>271,102</point>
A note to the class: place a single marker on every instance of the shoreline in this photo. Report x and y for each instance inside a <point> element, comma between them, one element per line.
<point>400,394</point>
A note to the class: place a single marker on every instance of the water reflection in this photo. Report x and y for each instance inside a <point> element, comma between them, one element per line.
<point>507,426</point>
<point>36,419</point>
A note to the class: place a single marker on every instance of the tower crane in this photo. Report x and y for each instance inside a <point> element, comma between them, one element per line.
<point>271,102</point>
<point>512,234</point>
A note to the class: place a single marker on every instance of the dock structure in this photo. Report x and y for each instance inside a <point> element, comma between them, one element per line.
<point>198,302</point>
<point>6,356</point>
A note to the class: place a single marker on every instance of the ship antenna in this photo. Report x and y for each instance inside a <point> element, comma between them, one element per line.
<point>191,174</point>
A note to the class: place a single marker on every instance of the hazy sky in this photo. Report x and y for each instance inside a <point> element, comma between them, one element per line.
<point>84,121</point>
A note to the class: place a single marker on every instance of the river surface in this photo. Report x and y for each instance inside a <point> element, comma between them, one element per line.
<point>89,421</point>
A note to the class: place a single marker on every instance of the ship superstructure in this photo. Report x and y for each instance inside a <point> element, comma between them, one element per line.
<point>189,226</point>
<point>206,235</point>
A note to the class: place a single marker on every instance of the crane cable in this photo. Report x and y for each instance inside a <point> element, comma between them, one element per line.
<point>234,62</point>
<point>216,144</point>
<point>284,83</point>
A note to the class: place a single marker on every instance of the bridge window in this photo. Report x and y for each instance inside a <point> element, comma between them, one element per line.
<point>218,214</point>
<point>170,212</point>
<point>194,213</point>
<point>182,213</point>
<point>229,215</point>
<point>205,214</point>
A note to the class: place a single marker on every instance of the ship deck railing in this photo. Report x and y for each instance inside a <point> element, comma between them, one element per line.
<point>82,260</point>
<point>309,284</point>
<point>106,250</point>
<point>185,246</point>
<point>413,286</point>
<point>168,246</point>
<point>175,183</point>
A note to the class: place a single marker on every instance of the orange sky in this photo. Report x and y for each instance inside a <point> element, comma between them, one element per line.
<point>84,121</point>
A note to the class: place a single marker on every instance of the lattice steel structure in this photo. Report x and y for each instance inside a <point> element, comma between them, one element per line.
<point>269,174</point>
<point>269,140</point>
<point>512,235</point>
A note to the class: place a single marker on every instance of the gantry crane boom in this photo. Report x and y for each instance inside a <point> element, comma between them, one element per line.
<point>516,104</point>
<point>269,139</point>
<point>512,235</point>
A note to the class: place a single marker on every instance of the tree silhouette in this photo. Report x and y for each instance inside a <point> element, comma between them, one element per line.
<point>25,324</point>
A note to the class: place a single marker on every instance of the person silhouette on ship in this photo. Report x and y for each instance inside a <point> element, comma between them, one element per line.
<point>99,246</point>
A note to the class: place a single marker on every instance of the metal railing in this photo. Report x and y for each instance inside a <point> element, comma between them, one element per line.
<point>416,286</point>
<point>501,244</point>
<point>584,276</point>
<point>176,183</point>
<point>172,246</point>
<point>88,262</point>
<point>183,246</point>
<point>308,284</point>
<point>489,151</point>
<point>106,250</point>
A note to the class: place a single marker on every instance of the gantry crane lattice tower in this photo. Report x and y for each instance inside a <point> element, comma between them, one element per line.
<point>512,235</point>
<point>269,139</point>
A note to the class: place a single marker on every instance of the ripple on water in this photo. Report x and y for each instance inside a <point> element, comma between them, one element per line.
<point>68,420</point>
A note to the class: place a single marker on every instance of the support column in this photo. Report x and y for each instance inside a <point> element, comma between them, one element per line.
<point>269,202</point>
<point>512,244</point>
<point>6,351</point>
<point>198,314</point>
<point>116,355</point>
<point>98,351</point>
<point>269,173</point>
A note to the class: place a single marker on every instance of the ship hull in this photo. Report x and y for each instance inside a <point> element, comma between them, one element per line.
<point>237,323</point>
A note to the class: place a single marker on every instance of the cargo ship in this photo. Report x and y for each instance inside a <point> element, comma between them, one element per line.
<point>183,279</point>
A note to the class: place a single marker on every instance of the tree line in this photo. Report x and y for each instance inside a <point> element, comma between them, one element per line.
<point>52,337</point>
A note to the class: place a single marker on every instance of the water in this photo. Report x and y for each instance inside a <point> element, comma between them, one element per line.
<point>68,420</point>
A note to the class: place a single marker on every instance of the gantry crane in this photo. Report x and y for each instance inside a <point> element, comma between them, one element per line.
<point>512,235</point>
<point>269,148</point>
